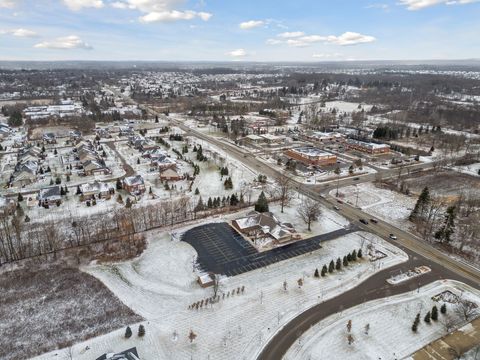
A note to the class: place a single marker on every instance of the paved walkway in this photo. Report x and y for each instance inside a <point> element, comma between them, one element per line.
<point>453,345</point>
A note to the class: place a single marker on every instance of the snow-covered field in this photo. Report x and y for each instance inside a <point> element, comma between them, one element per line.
<point>390,320</point>
<point>383,203</point>
<point>472,169</point>
<point>161,284</point>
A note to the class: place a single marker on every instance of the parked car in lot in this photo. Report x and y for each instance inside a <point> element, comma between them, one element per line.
<point>393,237</point>
<point>363,221</point>
<point>374,221</point>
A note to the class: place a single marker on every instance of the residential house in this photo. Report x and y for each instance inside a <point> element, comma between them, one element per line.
<point>96,189</point>
<point>170,175</point>
<point>25,173</point>
<point>96,166</point>
<point>50,138</point>
<point>50,196</point>
<point>135,185</point>
<point>130,354</point>
<point>75,135</point>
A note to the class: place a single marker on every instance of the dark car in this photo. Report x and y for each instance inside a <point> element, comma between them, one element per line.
<point>363,221</point>
<point>340,201</point>
<point>374,221</point>
<point>356,179</point>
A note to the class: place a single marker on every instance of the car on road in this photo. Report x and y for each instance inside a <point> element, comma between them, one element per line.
<point>393,237</point>
<point>363,221</point>
<point>336,208</point>
<point>340,201</point>
<point>356,179</point>
<point>374,221</point>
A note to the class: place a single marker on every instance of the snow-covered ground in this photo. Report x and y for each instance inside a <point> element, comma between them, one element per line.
<point>161,284</point>
<point>385,204</point>
<point>390,320</point>
<point>472,169</point>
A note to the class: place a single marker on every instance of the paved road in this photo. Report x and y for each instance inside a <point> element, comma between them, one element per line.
<point>420,253</point>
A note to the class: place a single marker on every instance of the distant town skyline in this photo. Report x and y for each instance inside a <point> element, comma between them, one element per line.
<point>176,30</point>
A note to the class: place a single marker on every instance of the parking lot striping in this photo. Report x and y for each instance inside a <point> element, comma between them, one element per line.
<point>222,250</point>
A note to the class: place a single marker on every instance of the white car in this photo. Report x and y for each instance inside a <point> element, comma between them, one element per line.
<point>393,237</point>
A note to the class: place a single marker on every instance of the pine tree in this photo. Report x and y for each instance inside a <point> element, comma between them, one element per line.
<point>262,204</point>
<point>119,185</point>
<point>443,309</point>
<point>197,192</point>
<point>20,197</point>
<point>345,261</point>
<point>338,265</point>
<point>78,190</point>
<point>331,267</point>
<point>354,255</point>
<point>359,254</point>
<point>210,203</point>
<point>316,274</point>
<point>427,318</point>
<point>128,332</point>
<point>141,331</point>
<point>128,204</point>
<point>349,257</point>
<point>421,205</point>
<point>324,270</point>
<point>434,313</point>
<point>448,227</point>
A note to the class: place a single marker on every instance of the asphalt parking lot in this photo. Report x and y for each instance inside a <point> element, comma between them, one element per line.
<point>222,250</point>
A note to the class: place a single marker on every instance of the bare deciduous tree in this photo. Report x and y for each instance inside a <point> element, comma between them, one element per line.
<point>309,211</point>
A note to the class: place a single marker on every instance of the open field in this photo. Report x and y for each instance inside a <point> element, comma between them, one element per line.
<point>53,308</point>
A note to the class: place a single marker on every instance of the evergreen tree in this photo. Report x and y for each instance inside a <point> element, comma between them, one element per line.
<point>331,267</point>
<point>78,190</point>
<point>128,203</point>
<point>197,192</point>
<point>421,205</point>
<point>434,313</point>
<point>349,257</point>
<point>20,197</point>
<point>448,227</point>
<point>141,331</point>
<point>427,318</point>
<point>324,270</point>
<point>345,261</point>
<point>338,265</point>
<point>359,254</point>
<point>210,203</point>
<point>443,309</point>
<point>128,332</point>
<point>119,185</point>
<point>262,204</point>
<point>354,255</point>
<point>316,273</point>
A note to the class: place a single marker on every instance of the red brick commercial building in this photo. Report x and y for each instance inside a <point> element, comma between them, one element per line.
<point>312,156</point>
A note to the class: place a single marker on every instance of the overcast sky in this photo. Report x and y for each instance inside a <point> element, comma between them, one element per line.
<point>249,30</point>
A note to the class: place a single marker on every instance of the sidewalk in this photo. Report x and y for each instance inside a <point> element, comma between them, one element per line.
<point>452,345</point>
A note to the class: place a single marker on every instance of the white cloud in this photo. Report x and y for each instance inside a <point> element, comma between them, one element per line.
<point>19,32</point>
<point>64,43</point>
<point>422,4</point>
<point>247,25</point>
<point>299,39</point>
<point>238,53</point>
<point>350,38</point>
<point>274,42</point>
<point>174,15</point>
<point>160,10</point>
<point>76,5</point>
<point>9,4</point>
<point>289,35</point>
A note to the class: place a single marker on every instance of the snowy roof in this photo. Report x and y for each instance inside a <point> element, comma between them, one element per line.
<point>134,180</point>
<point>310,151</point>
<point>50,193</point>
<point>95,187</point>
<point>368,145</point>
<point>266,222</point>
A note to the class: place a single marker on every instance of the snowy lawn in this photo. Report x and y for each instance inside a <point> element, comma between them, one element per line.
<point>161,285</point>
<point>385,204</point>
<point>390,320</point>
